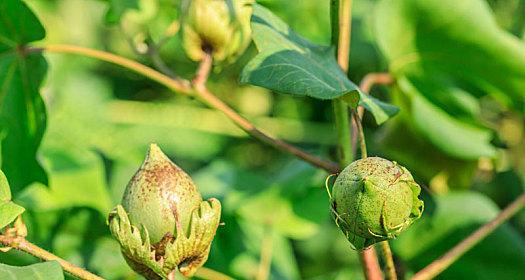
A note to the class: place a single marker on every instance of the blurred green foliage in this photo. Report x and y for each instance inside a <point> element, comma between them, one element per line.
<point>460,69</point>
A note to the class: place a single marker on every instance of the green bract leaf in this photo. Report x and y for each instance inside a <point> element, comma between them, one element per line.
<point>290,64</point>
<point>8,210</point>
<point>45,270</point>
<point>500,256</point>
<point>22,111</point>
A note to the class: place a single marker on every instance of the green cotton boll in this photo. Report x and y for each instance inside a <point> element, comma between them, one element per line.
<point>373,200</point>
<point>163,224</point>
<point>219,26</point>
<point>159,194</point>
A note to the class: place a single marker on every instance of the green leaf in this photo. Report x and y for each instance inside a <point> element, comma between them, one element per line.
<point>500,256</point>
<point>8,210</point>
<point>270,207</point>
<point>77,178</point>
<point>46,270</point>
<point>441,37</point>
<point>22,110</point>
<point>435,45</point>
<point>453,136</point>
<point>289,64</point>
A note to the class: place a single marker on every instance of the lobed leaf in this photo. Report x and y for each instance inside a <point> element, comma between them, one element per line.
<point>22,110</point>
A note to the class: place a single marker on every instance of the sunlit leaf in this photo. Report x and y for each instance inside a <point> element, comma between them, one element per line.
<point>290,64</point>
<point>22,111</point>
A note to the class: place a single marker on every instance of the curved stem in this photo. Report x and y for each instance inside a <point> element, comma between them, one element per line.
<point>185,87</point>
<point>439,265</point>
<point>389,261</point>
<point>211,100</point>
<point>21,244</point>
<point>180,86</point>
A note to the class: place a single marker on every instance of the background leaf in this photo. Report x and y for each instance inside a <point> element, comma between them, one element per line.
<point>22,110</point>
<point>435,48</point>
<point>45,270</point>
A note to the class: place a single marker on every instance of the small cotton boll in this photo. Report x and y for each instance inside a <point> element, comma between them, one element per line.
<point>373,200</point>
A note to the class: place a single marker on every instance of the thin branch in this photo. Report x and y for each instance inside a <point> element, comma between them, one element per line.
<point>180,86</point>
<point>185,87</point>
<point>212,101</point>
<point>20,243</point>
<point>345,28</point>
<point>370,80</point>
<point>361,133</point>
<point>439,265</point>
<point>203,71</point>
<point>389,261</point>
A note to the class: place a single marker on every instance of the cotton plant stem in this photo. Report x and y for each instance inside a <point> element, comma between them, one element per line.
<point>342,124</point>
<point>341,19</point>
<point>361,133</point>
<point>389,261</point>
<point>186,88</point>
<point>177,85</point>
<point>22,244</point>
<point>439,265</point>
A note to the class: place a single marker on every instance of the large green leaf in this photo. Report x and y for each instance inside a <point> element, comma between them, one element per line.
<point>38,271</point>
<point>8,210</point>
<point>500,256</point>
<point>453,136</point>
<point>22,111</point>
<point>290,64</point>
<point>437,47</point>
<point>442,37</point>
